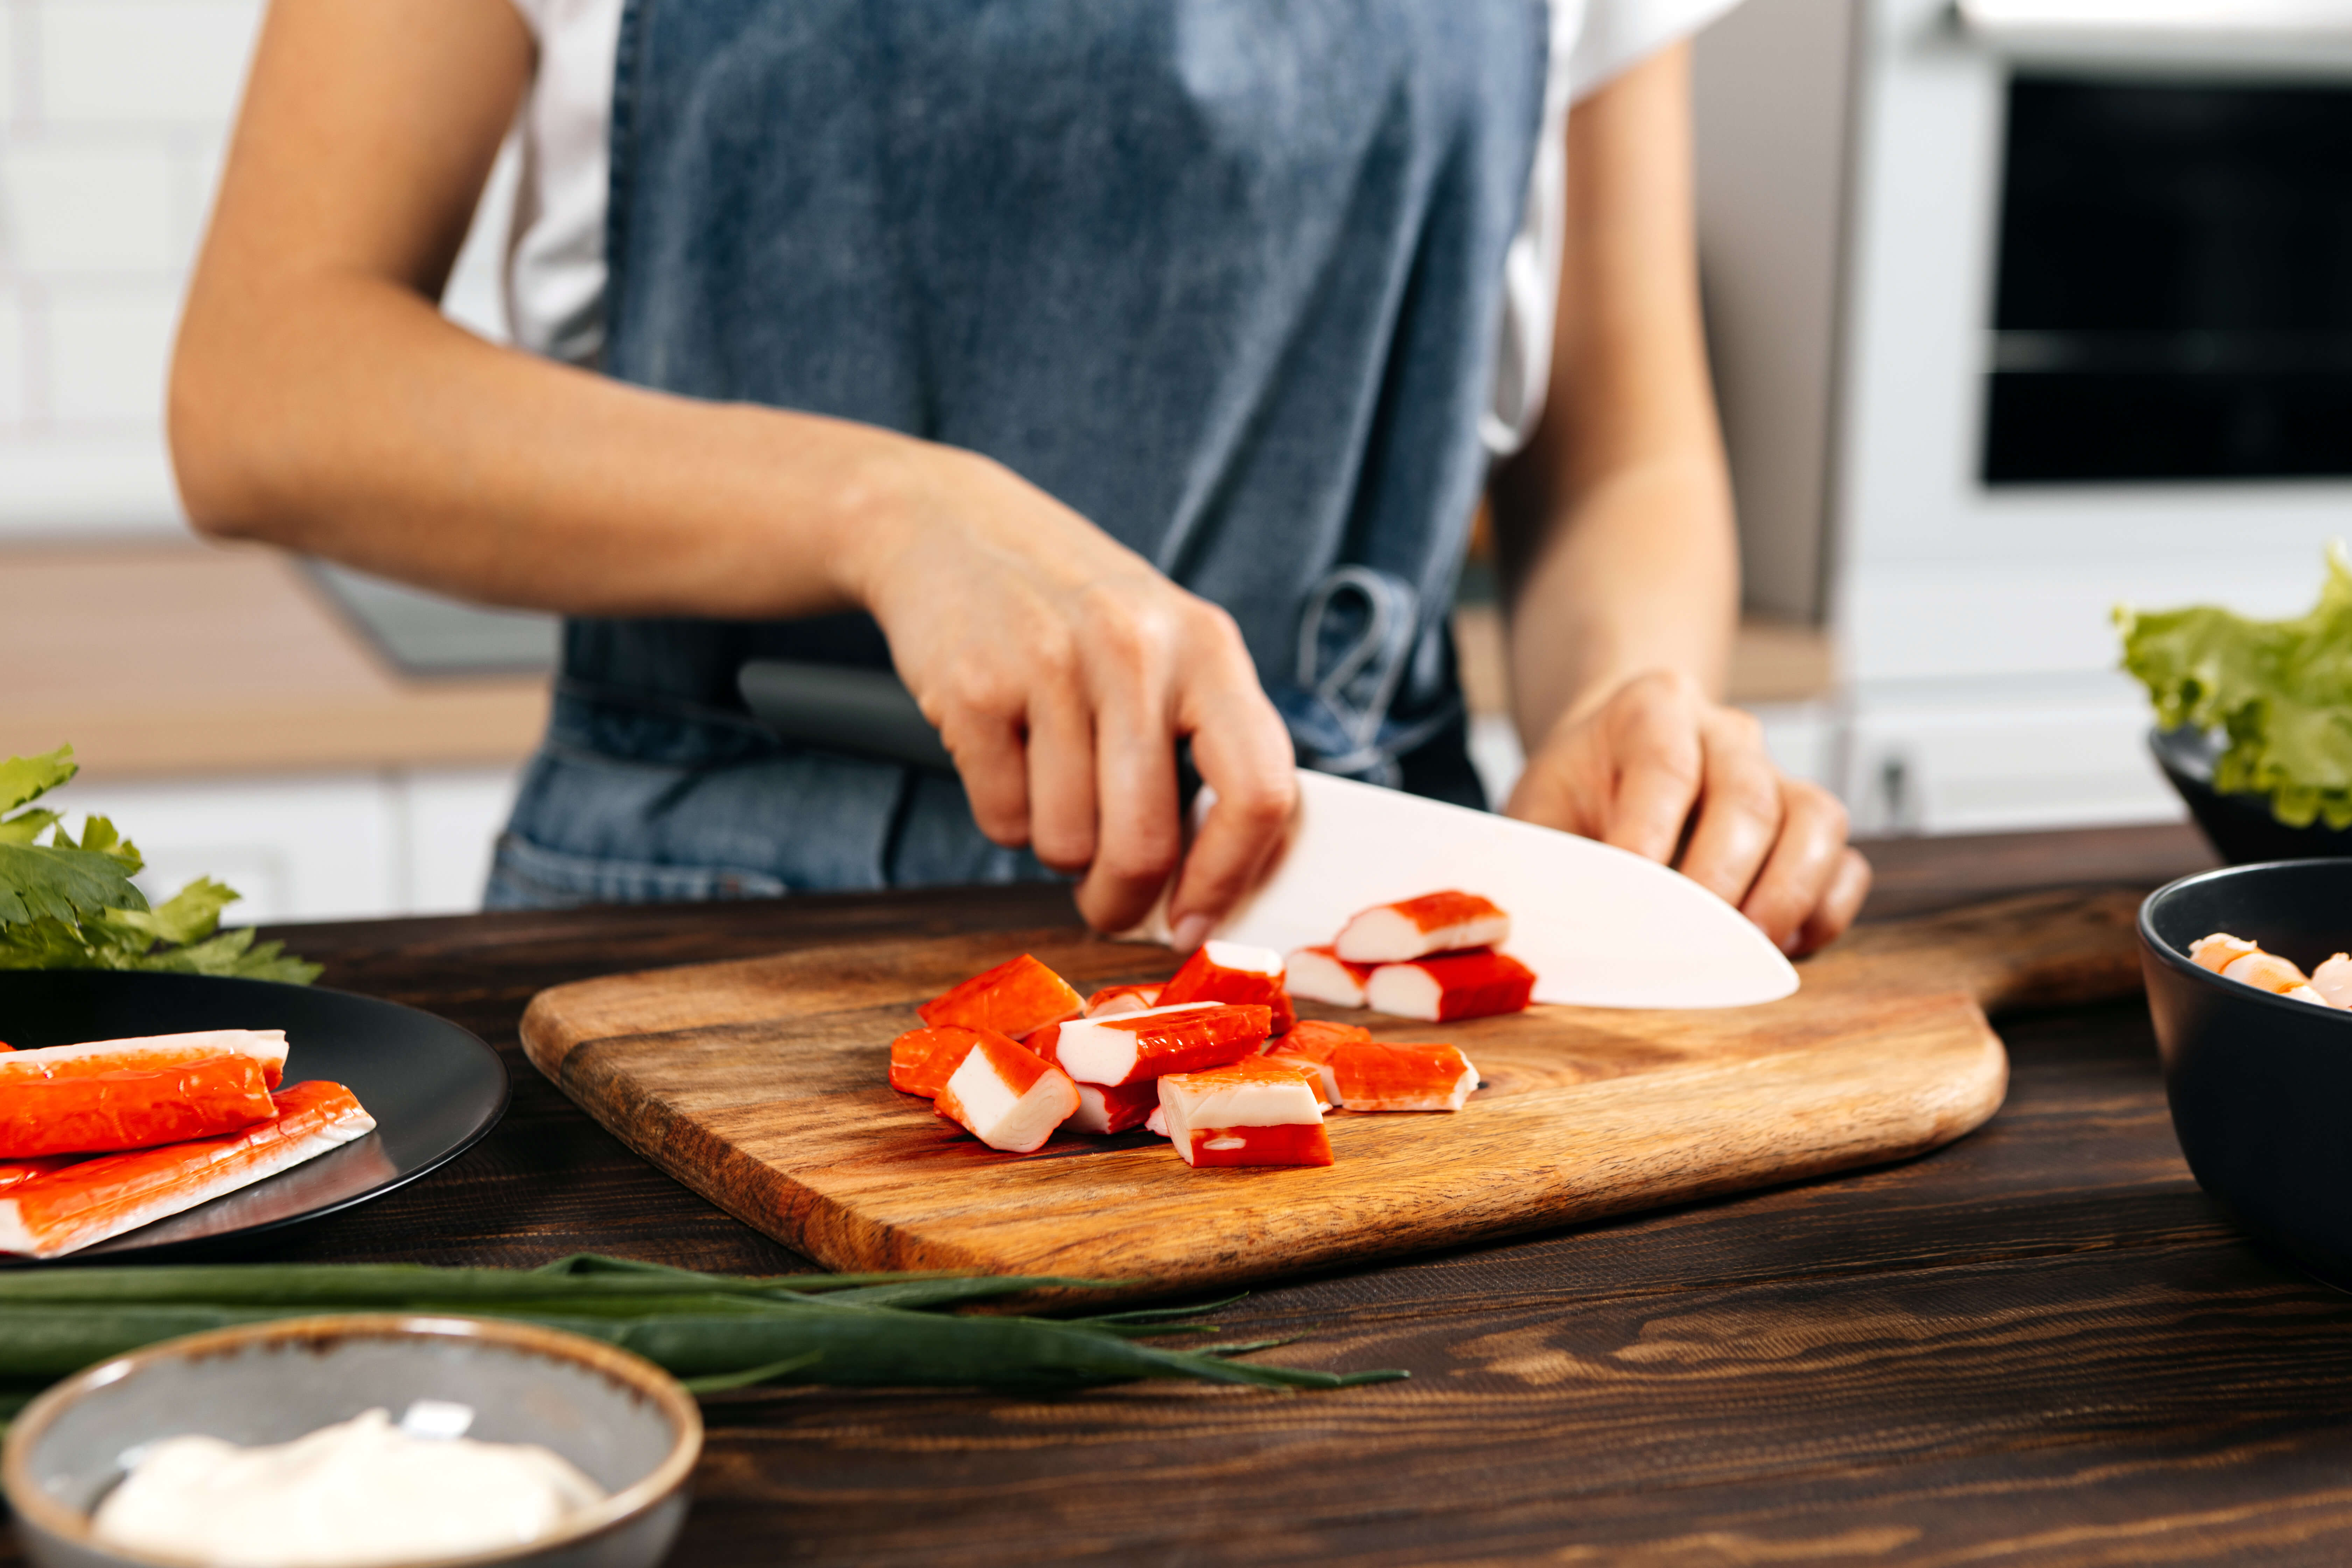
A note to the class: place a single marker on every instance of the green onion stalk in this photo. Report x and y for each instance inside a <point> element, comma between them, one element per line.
<point>714,1332</point>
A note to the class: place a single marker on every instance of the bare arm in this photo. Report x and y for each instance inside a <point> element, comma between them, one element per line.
<point>319,401</point>
<point>1620,560</point>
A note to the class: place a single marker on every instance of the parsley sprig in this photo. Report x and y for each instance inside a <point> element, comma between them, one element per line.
<point>70,903</point>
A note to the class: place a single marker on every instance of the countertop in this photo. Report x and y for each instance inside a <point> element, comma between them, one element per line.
<point>2041,1345</point>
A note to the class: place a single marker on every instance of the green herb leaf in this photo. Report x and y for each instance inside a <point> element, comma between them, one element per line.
<point>2281,690</point>
<point>61,884</point>
<point>29,778</point>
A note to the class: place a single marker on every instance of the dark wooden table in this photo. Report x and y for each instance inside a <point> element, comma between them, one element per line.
<point>2042,1344</point>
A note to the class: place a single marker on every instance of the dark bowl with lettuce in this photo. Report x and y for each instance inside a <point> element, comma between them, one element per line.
<point>2254,720</point>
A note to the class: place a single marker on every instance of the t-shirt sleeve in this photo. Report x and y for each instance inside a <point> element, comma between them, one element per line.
<point>1618,35</point>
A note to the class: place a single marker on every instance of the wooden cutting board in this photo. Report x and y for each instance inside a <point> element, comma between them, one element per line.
<point>760,1084</point>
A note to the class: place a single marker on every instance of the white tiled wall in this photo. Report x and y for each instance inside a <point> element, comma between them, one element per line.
<point>112,115</point>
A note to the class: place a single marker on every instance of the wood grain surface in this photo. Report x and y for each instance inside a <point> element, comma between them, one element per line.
<point>2040,1345</point>
<point>761,1086</point>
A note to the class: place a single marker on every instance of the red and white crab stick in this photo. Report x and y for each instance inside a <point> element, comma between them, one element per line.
<point>922,1060</point>
<point>1451,986</point>
<point>1113,999</point>
<point>1231,972</point>
<point>1257,1111</point>
<point>112,1095</point>
<point>1014,998</point>
<point>1007,1096</point>
<point>1105,1107</point>
<point>1320,974</point>
<point>1414,928</point>
<point>1133,1046</point>
<point>1373,1076</point>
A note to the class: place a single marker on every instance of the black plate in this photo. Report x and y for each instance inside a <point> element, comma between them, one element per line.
<point>433,1088</point>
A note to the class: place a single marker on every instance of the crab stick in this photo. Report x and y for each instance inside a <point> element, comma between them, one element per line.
<point>1414,928</point>
<point>1134,1046</point>
<point>1113,999</point>
<point>1103,1108</point>
<point>1310,1047</point>
<point>2333,981</point>
<point>1320,974</point>
<point>1007,1096</point>
<point>1371,1076</point>
<point>921,1059</point>
<point>1231,972</point>
<point>2234,958</point>
<point>1451,986</point>
<point>1250,1112</point>
<point>91,1200</point>
<point>1014,998</point>
<point>86,1112</point>
<point>266,1046</point>
<point>16,1172</point>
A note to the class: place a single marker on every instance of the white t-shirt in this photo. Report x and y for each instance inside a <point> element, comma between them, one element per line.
<point>555,271</point>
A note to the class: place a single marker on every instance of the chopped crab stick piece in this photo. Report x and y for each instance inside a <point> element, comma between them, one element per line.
<point>1319,975</point>
<point>1231,972</point>
<point>1310,1047</point>
<point>1251,1113</point>
<point>1111,1001</point>
<point>1156,1122</point>
<point>1375,1077</point>
<point>1007,1096</point>
<point>921,1059</point>
<point>266,1046</point>
<point>1414,928</point>
<point>79,1112</point>
<point>2333,981</point>
<point>2217,952</point>
<point>1450,986</point>
<point>91,1200</point>
<point>1014,998</point>
<point>2266,972</point>
<point>1134,1046</point>
<point>1105,1109</point>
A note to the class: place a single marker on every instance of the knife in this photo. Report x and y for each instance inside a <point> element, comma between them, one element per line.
<point>1602,927</point>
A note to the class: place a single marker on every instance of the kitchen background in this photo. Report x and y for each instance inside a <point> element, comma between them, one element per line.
<point>2019,308</point>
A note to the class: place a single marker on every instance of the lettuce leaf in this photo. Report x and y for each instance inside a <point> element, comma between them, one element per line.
<point>2279,690</point>
<point>70,904</point>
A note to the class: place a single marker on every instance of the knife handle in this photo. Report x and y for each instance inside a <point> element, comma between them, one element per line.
<point>865,713</point>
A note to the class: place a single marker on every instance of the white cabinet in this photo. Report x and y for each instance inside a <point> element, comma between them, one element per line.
<point>327,846</point>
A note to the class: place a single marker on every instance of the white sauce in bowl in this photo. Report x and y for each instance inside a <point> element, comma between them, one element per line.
<point>362,1492</point>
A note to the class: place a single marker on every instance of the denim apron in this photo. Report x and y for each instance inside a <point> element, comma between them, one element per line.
<point>1225,276</point>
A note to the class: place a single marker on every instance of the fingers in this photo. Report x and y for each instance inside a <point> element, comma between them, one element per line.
<point>1848,886</point>
<point>1061,768</point>
<point>1139,835</point>
<point>1804,867</point>
<point>1652,730</point>
<point>1740,814</point>
<point>990,758</point>
<point>1243,752</point>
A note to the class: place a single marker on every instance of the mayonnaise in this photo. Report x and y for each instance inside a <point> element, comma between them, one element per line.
<point>362,1491</point>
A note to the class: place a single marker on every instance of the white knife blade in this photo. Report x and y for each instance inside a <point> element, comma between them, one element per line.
<point>1602,927</point>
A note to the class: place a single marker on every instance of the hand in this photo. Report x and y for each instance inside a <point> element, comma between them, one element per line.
<point>1660,770</point>
<point>1062,670</point>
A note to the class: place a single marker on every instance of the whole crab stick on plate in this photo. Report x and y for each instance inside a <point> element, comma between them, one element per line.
<point>1451,986</point>
<point>1257,1111</point>
<point>1113,999</point>
<point>1134,1046</point>
<point>16,1172</point>
<point>1016,998</point>
<point>1007,1096</point>
<point>1231,972</point>
<point>266,1046</point>
<point>90,1200</point>
<point>1320,974</point>
<point>1414,928</point>
<point>81,1112</point>
<point>921,1059</point>
<point>1371,1076</point>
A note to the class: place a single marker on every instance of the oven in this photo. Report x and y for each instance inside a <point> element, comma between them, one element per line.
<point>2021,309</point>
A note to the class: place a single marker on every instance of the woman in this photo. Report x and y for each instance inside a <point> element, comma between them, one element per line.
<point>1124,376</point>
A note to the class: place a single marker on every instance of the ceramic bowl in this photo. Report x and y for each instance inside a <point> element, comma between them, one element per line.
<point>2258,1084</point>
<point>2240,826</point>
<point>621,1419</point>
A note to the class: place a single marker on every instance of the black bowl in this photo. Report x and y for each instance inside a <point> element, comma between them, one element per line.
<point>2259,1085</point>
<point>2240,826</point>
